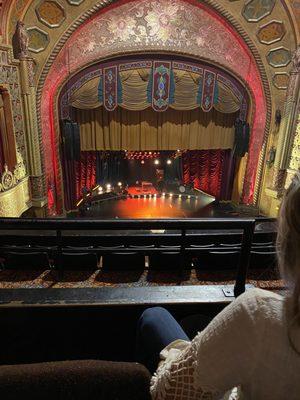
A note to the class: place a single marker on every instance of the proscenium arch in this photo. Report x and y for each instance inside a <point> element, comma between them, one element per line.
<point>71,58</point>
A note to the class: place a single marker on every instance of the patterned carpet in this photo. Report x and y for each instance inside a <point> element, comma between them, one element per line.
<point>265,279</point>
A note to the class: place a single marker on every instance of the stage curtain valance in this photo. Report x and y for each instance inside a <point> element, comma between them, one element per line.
<point>123,129</point>
<point>134,92</point>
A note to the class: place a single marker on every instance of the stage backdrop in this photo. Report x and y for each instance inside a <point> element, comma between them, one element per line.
<point>122,129</point>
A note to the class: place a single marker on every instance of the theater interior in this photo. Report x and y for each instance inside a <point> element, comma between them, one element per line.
<point>145,147</point>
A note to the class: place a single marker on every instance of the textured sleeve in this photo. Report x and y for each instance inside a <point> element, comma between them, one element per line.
<point>219,358</point>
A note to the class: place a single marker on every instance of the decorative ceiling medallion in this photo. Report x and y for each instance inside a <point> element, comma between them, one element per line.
<point>279,57</point>
<point>38,39</point>
<point>50,13</point>
<point>75,2</point>
<point>281,80</point>
<point>271,32</point>
<point>255,10</point>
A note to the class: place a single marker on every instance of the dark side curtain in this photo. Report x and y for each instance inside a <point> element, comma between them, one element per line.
<point>79,168</point>
<point>111,167</point>
<point>208,171</point>
<point>241,138</point>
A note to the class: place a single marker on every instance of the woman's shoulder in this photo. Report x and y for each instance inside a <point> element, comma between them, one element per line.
<point>260,294</point>
<point>259,301</point>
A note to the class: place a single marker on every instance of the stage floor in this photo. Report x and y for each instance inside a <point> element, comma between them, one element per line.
<point>152,207</point>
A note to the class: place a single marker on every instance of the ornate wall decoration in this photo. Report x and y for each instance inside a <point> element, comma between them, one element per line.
<point>271,32</point>
<point>9,77</point>
<point>279,57</point>
<point>295,156</point>
<point>10,179</point>
<point>37,187</point>
<point>50,13</point>
<point>16,200</point>
<point>281,80</point>
<point>38,39</point>
<point>255,10</point>
<point>296,9</point>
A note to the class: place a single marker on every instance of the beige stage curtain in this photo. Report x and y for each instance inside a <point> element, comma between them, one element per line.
<point>134,92</point>
<point>227,101</point>
<point>149,130</point>
<point>134,89</point>
<point>186,84</point>
<point>86,97</point>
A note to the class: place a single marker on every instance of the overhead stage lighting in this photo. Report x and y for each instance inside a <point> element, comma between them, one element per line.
<point>156,162</point>
<point>120,184</point>
<point>108,186</point>
<point>142,162</point>
<point>169,162</point>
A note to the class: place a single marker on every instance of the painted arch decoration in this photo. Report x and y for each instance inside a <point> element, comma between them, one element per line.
<point>173,26</point>
<point>133,85</point>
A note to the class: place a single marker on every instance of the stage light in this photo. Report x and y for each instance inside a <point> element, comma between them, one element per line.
<point>163,194</point>
<point>120,184</point>
<point>171,194</point>
<point>169,162</point>
<point>80,201</point>
<point>142,162</point>
<point>155,195</point>
<point>156,162</point>
<point>179,196</point>
<point>108,186</point>
<point>100,189</point>
<point>189,196</point>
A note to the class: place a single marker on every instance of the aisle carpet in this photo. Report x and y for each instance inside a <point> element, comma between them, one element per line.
<point>265,279</point>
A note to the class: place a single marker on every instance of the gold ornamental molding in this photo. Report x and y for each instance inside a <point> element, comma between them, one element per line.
<point>10,179</point>
<point>212,4</point>
<point>14,201</point>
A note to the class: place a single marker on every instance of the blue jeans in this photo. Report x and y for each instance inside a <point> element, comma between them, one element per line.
<point>156,329</point>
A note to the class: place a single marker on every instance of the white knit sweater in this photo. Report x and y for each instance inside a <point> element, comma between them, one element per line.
<point>245,346</point>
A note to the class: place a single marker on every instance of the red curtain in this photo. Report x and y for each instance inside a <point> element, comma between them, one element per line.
<point>204,168</point>
<point>85,172</point>
<point>77,175</point>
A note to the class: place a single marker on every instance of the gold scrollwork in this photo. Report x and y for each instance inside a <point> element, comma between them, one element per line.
<point>10,179</point>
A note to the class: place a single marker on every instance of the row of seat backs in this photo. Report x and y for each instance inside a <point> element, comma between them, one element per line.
<point>127,239</point>
<point>131,260</point>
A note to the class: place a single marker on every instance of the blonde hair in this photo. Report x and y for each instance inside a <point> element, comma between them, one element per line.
<point>288,249</point>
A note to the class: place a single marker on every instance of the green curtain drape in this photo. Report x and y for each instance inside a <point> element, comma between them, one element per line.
<point>149,130</point>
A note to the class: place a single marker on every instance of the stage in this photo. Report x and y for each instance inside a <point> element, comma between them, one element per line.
<point>137,203</point>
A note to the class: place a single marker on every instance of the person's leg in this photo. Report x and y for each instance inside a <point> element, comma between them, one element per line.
<point>156,329</point>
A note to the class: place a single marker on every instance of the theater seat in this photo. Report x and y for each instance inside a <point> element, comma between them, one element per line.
<point>128,260</point>
<point>76,380</point>
<point>166,260</point>
<point>77,261</point>
<point>218,260</point>
<point>26,260</point>
<point>263,259</point>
